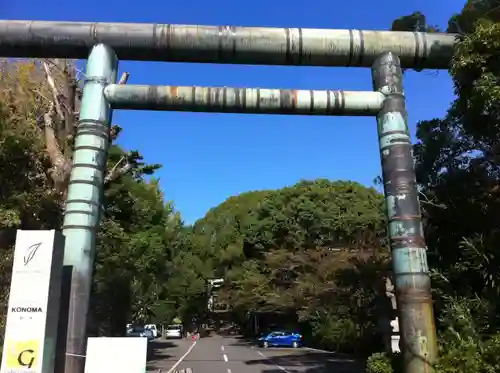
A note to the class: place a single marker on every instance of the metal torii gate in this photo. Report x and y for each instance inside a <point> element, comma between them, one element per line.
<point>384,51</point>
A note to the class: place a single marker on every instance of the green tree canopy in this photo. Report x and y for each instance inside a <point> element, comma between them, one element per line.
<point>297,251</point>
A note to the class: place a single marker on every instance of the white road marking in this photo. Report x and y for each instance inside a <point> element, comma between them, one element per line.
<point>317,349</point>
<point>329,352</point>
<point>271,361</point>
<point>182,358</point>
<point>225,357</point>
<point>229,371</point>
<point>222,348</point>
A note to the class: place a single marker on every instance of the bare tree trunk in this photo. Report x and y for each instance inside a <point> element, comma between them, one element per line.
<point>58,138</point>
<point>61,166</point>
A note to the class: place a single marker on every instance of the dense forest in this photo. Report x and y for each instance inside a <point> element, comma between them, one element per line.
<point>313,255</point>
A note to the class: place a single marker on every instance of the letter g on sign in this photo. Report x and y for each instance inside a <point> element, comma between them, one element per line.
<point>21,355</point>
<point>26,358</point>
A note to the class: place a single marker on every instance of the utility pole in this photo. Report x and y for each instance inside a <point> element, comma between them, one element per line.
<point>408,247</point>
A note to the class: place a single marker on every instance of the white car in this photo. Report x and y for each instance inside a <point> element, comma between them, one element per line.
<point>153,329</point>
<point>173,331</point>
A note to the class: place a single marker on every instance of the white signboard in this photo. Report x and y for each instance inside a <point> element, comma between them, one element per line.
<point>395,343</point>
<point>120,354</point>
<point>31,327</point>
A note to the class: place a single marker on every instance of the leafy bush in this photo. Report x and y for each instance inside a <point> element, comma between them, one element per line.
<point>379,363</point>
<point>465,346</point>
<point>334,333</point>
<point>466,355</point>
<point>383,363</point>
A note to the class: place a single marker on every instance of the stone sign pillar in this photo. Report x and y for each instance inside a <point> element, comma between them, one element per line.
<point>33,308</point>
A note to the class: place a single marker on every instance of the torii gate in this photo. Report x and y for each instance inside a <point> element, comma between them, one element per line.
<point>384,51</point>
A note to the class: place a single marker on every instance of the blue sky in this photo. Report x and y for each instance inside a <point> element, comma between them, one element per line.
<point>208,157</point>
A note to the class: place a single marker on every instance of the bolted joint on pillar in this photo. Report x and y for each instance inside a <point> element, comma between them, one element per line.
<point>387,75</point>
<point>408,247</point>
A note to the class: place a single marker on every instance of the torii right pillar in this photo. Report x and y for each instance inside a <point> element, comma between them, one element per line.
<point>408,247</point>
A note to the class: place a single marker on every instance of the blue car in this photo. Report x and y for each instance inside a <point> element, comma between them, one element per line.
<point>281,339</point>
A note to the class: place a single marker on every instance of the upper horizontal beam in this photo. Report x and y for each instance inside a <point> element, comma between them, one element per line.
<point>243,100</point>
<point>224,44</point>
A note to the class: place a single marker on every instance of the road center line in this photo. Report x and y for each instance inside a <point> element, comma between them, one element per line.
<point>222,348</point>
<point>182,357</point>
<point>229,371</point>
<point>225,357</point>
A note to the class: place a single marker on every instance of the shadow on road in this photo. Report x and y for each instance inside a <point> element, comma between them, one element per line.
<point>310,362</point>
<point>242,342</point>
<point>231,331</point>
<point>156,350</point>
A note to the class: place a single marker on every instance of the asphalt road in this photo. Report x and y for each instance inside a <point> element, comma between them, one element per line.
<point>219,354</point>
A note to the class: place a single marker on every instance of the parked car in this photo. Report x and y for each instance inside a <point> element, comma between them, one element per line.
<point>281,339</point>
<point>139,331</point>
<point>153,328</point>
<point>173,331</point>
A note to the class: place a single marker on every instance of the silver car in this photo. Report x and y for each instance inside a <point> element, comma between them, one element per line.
<point>173,331</point>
